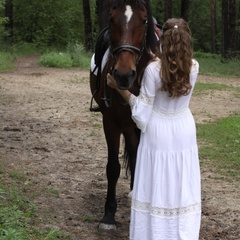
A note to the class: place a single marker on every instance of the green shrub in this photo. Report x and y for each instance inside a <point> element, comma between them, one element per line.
<point>58,60</point>
<point>75,56</point>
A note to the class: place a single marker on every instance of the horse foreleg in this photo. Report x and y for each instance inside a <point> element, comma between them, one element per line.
<point>113,171</point>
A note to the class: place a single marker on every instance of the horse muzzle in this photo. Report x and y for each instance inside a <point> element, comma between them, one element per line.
<point>125,80</point>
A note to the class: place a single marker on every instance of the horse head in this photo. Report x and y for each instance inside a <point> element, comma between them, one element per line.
<point>128,29</point>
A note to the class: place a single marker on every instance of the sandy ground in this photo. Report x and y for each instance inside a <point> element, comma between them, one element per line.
<point>48,133</point>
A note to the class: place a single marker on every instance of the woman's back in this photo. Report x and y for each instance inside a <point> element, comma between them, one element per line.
<point>162,100</point>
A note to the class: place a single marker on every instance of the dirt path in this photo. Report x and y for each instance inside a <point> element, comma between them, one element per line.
<point>47,131</point>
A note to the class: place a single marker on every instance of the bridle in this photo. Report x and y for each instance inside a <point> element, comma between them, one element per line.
<point>114,52</point>
<point>130,48</point>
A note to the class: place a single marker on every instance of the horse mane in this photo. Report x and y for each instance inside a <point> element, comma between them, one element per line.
<point>151,41</point>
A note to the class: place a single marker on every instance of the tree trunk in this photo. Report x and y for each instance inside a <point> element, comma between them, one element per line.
<point>102,12</point>
<point>87,25</point>
<point>168,9</point>
<point>9,16</point>
<point>184,9</point>
<point>224,28</point>
<point>238,32</point>
<point>232,26</point>
<point>213,26</point>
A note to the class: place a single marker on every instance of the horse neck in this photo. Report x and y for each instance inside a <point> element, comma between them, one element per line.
<point>143,62</point>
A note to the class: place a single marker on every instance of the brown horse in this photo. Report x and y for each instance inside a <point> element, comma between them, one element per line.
<point>132,42</point>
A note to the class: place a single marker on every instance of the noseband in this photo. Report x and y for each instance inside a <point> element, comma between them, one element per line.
<point>125,47</point>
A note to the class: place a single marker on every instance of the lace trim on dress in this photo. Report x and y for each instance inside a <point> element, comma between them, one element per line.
<point>142,97</point>
<point>165,212</point>
<point>171,114</point>
<point>146,99</point>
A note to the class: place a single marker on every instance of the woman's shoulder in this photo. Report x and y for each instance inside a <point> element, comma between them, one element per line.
<point>154,64</point>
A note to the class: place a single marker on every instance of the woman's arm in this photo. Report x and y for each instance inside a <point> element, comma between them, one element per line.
<point>112,83</point>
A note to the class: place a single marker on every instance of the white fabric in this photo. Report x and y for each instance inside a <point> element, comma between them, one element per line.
<point>166,197</point>
<point>104,61</point>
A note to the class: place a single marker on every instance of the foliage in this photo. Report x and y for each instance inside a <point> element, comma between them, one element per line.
<point>58,60</point>
<point>221,141</point>
<point>6,61</point>
<point>25,49</point>
<point>48,22</point>
<point>80,58</point>
<point>18,215</point>
<point>3,20</point>
<point>75,56</point>
<point>199,20</point>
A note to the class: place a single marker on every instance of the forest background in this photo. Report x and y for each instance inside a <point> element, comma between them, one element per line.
<point>215,24</point>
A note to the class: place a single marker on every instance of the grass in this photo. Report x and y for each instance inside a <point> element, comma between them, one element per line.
<point>18,215</point>
<point>211,64</point>
<point>6,61</point>
<point>58,60</point>
<point>75,56</point>
<point>221,144</point>
<point>220,141</point>
<point>200,87</point>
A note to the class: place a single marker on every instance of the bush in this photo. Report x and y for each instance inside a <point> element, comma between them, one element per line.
<point>58,60</point>
<point>75,56</point>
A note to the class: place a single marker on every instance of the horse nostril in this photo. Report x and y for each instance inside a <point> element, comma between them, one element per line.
<point>116,74</point>
<point>133,74</point>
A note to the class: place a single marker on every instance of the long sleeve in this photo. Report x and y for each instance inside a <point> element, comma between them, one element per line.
<point>142,105</point>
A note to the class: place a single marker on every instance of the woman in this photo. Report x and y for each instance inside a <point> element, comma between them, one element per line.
<point>166,197</point>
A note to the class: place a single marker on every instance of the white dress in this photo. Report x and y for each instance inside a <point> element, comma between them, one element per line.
<point>166,197</point>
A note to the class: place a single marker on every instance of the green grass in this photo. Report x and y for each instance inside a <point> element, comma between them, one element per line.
<point>6,61</point>
<point>75,56</point>
<point>220,143</point>
<point>200,87</point>
<point>211,64</point>
<point>18,215</point>
<point>58,60</point>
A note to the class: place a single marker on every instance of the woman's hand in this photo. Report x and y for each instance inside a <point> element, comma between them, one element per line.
<point>111,82</point>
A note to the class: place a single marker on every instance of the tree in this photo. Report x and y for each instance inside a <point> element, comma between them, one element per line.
<point>102,12</point>
<point>213,26</point>
<point>184,9</point>
<point>168,9</point>
<point>232,26</point>
<point>9,17</point>
<point>238,32</point>
<point>224,28</point>
<point>87,25</point>
<point>48,23</point>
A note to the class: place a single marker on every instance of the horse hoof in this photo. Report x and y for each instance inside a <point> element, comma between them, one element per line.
<point>108,227</point>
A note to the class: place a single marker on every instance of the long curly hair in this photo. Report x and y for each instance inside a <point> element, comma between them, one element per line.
<point>176,57</point>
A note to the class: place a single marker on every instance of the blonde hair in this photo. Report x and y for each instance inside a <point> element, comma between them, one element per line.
<point>176,57</point>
